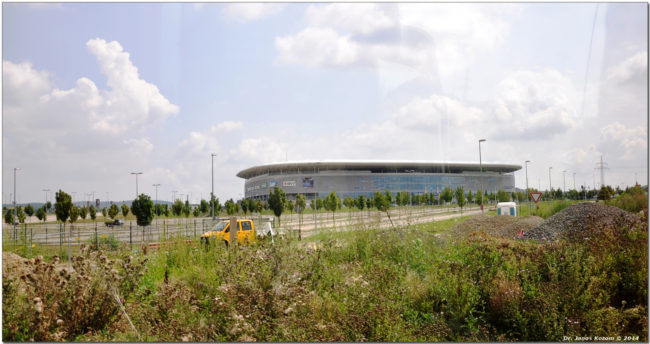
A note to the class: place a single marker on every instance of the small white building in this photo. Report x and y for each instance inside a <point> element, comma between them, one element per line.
<point>507,208</point>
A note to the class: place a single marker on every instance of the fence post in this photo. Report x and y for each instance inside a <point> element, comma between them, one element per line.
<point>131,235</point>
<point>45,234</point>
<point>195,228</point>
<point>31,238</point>
<point>60,238</point>
<point>96,239</point>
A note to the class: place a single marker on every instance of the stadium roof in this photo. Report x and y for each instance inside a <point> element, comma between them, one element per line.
<point>376,166</point>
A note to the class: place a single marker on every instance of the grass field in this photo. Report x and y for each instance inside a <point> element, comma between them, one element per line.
<point>405,284</point>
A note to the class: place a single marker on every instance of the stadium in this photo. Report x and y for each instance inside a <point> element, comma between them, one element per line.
<point>357,177</point>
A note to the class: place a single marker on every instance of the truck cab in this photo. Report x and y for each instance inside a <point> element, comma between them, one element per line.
<point>221,233</point>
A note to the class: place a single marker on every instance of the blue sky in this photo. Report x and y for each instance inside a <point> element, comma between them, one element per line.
<point>92,92</point>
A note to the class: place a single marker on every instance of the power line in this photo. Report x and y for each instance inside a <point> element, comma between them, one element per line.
<point>602,166</point>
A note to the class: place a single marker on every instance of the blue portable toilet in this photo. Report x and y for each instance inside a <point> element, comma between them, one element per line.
<point>507,208</point>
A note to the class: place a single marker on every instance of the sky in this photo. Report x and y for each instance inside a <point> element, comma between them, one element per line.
<point>92,92</point>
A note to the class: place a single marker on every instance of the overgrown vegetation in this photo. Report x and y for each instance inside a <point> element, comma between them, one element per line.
<point>403,284</point>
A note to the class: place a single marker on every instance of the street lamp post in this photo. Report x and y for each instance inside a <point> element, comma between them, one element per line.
<point>527,191</point>
<point>46,191</point>
<point>549,181</point>
<point>212,192</point>
<point>156,186</point>
<point>136,182</point>
<point>15,209</point>
<point>564,181</point>
<point>574,181</point>
<point>480,162</point>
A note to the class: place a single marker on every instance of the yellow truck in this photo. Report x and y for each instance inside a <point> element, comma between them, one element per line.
<point>221,233</point>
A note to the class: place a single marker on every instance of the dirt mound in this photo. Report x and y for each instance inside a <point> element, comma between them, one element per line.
<point>12,263</point>
<point>500,226</point>
<point>574,221</point>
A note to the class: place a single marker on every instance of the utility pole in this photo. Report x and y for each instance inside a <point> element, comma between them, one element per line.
<point>212,192</point>
<point>480,162</point>
<point>602,166</point>
<point>156,206</point>
<point>15,209</point>
<point>574,181</point>
<point>564,181</point>
<point>527,191</point>
<point>549,179</point>
<point>136,182</point>
<point>174,196</point>
<point>47,190</point>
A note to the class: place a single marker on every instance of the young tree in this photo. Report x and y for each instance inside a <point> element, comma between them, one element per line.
<point>360,202</point>
<point>460,198</point>
<point>104,212</point>
<point>301,203</point>
<point>142,208</point>
<point>113,211</point>
<point>125,210</point>
<point>503,196</point>
<point>383,204</point>
<point>41,214</point>
<point>20,214</point>
<point>83,212</point>
<point>259,206</point>
<point>62,207</point>
<point>277,200</point>
<point>204,206</point>
<point>74,214</point>
<point>447,194</point>
<point>197,212</point>
<point>93,212</point>
<point>29,210</point>
<point>187,208</point>
<point>230,207</point>
<point>48,206</point>
<point>9,217</point>
<point>332,202</point>
<point>177,207</point>
<point>479,197</point>
<point>605,193</point>
<point>389,197</point>
<point>470,197</point>
<point>251,205</point>
<point>244,206</point>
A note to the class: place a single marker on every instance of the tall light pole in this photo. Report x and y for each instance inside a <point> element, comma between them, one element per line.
<point>574,181</point>
<point>480,162</point>
<point>156,186</point>
<point>136,182</point>
<point>174,196</point>
<point>15,209</point>
<point>212,192</point>
<point>550,188</point>
<point>527,192</point>
<point>46,191</point>
<point>564,181</point>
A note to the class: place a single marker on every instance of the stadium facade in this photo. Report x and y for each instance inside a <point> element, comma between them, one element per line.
<point>358,177</point>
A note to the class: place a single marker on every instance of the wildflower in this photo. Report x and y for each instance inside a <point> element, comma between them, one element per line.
<point>33,245</point>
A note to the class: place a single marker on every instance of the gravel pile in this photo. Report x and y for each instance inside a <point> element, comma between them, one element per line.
<point>499,226</point>
<point>575,222</point>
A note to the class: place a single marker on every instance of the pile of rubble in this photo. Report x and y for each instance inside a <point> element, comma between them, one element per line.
<point>575,222</point>
<point>500,226</point>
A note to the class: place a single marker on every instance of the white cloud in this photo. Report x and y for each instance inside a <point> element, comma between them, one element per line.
<point>622,142</point>
<point>436,39</point>
<point>245,12</point>
<point>98,131</point>
<point>632,70</point>
<point>228,126</point>
<point>22,83</point>
<point>253,151</point>
<point>362,18</point>
<point>131,101</point>
<point>534,105</point>
<point>317,47</point>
